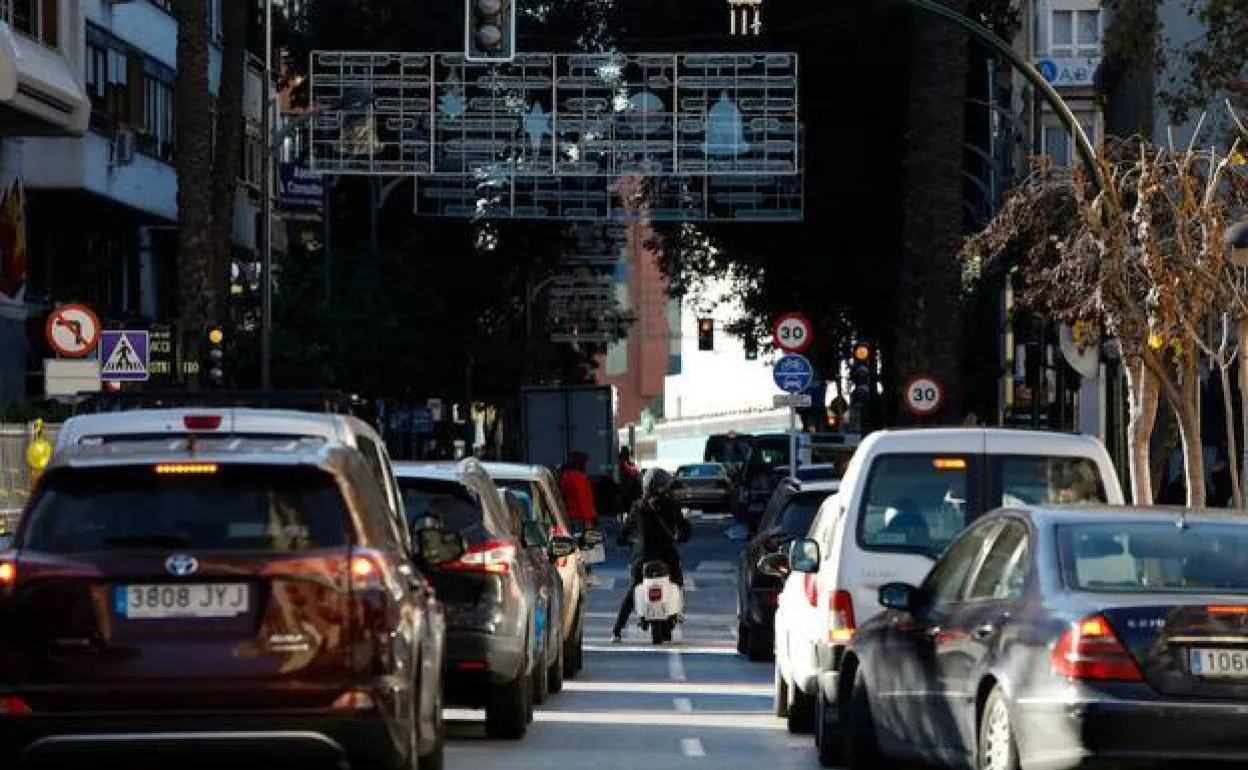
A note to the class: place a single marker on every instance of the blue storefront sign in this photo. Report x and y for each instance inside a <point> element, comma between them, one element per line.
<point>299,188</point>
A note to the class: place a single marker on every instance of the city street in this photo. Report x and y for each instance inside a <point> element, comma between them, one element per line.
<point>635,705</point>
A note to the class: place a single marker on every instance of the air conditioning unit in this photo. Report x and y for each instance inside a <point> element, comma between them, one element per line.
<point>122,150</point>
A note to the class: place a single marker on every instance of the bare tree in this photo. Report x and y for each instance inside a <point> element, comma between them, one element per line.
<point>1143,258</point>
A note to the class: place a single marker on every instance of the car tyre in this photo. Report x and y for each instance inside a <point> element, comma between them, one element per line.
<point>829,738</point>
<point>743,638</point>
<point>541,684</point>
<point>756,647</point>
<point>997,747</point>
<point>436,758</point>
<point>507,713</point>
<point>862,748</point>
<point>801,716</point>
<point>572,652</point>
<point>780,695</point>
<point>554,674</point>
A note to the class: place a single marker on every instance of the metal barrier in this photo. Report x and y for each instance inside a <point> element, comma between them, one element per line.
<point>15,475</point>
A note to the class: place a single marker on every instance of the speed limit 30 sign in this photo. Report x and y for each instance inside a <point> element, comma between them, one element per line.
<point>792,332</point>
<point>924,395</point>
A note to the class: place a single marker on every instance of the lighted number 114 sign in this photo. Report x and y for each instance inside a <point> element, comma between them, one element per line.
<point>745,17</point>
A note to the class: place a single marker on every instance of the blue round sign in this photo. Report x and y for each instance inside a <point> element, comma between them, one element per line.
<point>1048,69</point>
<point>793,373</point>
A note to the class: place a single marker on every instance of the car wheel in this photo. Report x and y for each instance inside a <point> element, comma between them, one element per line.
<point>743,638</point>
<point>757,648</point>
<point>507,713</point>
<point>572,652</point>
<point>780,695</point>
<point>540,682</point>
<point>997,749</point>
<point>435,759</point>
<point>554,674</point>
<point>801,712</point>
<point>828,735</point>
<point>862,749</point>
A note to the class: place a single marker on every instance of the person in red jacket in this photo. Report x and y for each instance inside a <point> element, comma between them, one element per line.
<point>578,491</point>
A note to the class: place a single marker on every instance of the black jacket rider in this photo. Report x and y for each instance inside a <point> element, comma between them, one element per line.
<point>653,529</point>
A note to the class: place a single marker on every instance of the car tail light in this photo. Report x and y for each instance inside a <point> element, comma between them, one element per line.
<point>841,617</point>
<point>8,574</point>
<point>367,571</point>
<point>655,594</point>
<point>493,558</point>
<point>1089,649</point>
<point>810,584</point>
<point>13,706</point>
<point>353,700</point>
<point>202,421</point>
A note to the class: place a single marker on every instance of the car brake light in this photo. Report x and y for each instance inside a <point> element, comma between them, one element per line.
<point>13,706</point>
<point>202,421</point>
<point>1089,649</point>
<point>655,594</point>
<point>8,574</point>
<point>841,623</point>
<point>366,571</point>
<point>186,468</point>
<point>810,584</point>
<point>493,557</point>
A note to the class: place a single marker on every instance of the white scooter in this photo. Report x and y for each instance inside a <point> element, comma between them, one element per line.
<point>659,603</point>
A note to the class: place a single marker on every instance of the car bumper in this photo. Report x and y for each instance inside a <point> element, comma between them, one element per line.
<point>475,661</point>
<point>142,740</point>
<point>828,668</point>
<point>1092,733</point>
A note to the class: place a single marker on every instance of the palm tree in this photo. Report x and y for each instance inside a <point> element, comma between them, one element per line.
<point>197,289</point>
<point>929,318</point>
<point>227,159</point>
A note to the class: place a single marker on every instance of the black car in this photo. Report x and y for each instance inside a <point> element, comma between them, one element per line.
<point>703,487</point>
<point>497,600</point>
<point>768,454</point>
<point>788,515</point>
<point>1060,637</point>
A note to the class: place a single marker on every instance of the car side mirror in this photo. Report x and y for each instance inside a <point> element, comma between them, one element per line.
<point>561,546</point>
<point>774,565</point>
<point>591,538</point>
<point>899,596</point>
<point>439,546</point>
<point>804,556</point>
<point>535,535</point>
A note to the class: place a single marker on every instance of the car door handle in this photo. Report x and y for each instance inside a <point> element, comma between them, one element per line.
<point>984,631</point>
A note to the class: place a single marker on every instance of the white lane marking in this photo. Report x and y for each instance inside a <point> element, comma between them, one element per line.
<point>675,666</point>
<point>602,644</point>
<point>712,565</point>
<point>692,748</point>
<point>683,705</point>
<point>741,689</point>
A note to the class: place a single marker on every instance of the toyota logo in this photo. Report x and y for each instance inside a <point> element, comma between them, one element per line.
<point>182,565</point>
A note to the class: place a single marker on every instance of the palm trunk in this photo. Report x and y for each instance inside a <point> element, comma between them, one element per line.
<point>228,160</point>
<point>929,284</point>
<point>1187,410</point>
<point>1228,409</point>
<point>193,162</point>
<point>1144,397</point>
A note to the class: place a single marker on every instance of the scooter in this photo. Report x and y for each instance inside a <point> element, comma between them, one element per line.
<point>660,603</point>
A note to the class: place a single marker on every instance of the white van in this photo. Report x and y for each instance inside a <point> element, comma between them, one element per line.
<point>905,495</point>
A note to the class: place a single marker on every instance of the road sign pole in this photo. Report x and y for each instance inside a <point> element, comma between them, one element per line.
<point>792,442</point>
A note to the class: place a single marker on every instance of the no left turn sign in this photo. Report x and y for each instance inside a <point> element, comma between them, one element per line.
<point>924,395</point>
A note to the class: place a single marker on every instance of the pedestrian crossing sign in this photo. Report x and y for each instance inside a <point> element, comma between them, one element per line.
<point>124,355</point>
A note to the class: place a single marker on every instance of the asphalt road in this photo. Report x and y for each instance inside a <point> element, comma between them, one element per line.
<point>694,703</point>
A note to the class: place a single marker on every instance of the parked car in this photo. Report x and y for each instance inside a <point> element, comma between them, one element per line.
<point>249,596</point>
<point>905,496</point>
<point>768,453</point>
<point>1056,637</point>
<point>788,516</point>
<point>538,484</point>
<point>536,540</point>
<point>495,599</point>
<point>703,487</point>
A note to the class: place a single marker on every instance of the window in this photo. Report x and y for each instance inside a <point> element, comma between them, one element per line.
<point>1004,572</point>
<point>253,156</point>
<point>526,491</point>
<point>917,503</point>
<point>1057,142</point>
<point>449,501</point>
<point>945,582</point>
<point>158,111</point>
<point>38,19</point>
<point>132,91</point>
<point>1075,34</point>
<point>1039,480</point>
<point>798,516</point>
<point>214,20</point>
<point>237,508</point>
<point>1154,557</point>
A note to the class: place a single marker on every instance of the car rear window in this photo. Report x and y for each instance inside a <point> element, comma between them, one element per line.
<point>525,491</point>
<point>450,501</point>
<point>1154,557</point>
<point>1042,480</point>
<point>214,508</point>
<point>917,503</point>
<point>799,513</point>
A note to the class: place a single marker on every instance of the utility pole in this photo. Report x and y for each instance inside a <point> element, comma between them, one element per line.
<point>266,207</point>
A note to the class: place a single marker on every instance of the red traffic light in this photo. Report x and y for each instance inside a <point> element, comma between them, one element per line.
<point>861,352</point>
<point>706,325</point>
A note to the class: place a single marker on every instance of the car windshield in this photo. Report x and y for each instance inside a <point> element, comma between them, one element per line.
<point>915,503</point>
<point>217,508</point>
<point>800,512</point>
<point>449,501</point>
<point>836,458</point>
<point>1154,557</point>
<point>708,471</point>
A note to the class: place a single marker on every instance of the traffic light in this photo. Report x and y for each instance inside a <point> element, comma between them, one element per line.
<point>751,350</point>
<point>214,356</point>
<point>860,369</point>
<point>706,334</point>
<point>489,30</point>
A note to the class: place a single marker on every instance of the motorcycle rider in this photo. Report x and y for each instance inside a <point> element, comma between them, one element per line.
<point>654,526</point>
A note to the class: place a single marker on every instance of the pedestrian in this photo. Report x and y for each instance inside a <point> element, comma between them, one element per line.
<point>653,528</point>
<point>629,485</point>
<point>578,491</point>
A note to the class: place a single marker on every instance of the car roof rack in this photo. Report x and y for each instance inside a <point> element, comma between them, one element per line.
<point>322,401</point>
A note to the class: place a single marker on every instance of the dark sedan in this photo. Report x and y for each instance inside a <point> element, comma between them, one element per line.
<point>703,487</point>
<point>1058,638</point>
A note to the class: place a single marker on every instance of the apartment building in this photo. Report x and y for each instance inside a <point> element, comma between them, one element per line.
<point>100,195</point>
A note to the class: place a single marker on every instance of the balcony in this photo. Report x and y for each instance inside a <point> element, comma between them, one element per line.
<point>40,91</point>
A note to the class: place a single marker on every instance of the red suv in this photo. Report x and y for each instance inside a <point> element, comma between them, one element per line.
<point>173,601</point>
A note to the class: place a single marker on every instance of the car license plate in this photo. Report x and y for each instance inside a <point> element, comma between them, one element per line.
<point>196,600</point>
<point>1228,663</point>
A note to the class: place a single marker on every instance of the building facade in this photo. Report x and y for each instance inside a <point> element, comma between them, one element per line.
<point>100,204</point>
